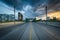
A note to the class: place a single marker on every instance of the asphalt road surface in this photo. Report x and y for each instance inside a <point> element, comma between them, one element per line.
<point>30,31</point>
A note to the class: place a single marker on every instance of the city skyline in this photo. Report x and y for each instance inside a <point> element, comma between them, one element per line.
<point>27,8</point>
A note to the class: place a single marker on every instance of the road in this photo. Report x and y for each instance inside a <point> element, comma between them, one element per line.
<point>30,31</point>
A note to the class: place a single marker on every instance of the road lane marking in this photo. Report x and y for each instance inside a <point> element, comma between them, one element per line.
<point>30,37</point>
<point>49,32</point>
<point>52,34</point>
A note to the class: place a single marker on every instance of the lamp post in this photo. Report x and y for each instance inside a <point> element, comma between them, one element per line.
<point>46,14</point>
<point>14,14</point>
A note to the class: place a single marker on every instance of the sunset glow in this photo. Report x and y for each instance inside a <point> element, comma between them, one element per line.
<point>54,14</point>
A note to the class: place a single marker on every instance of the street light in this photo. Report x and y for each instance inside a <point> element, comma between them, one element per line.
<point>46,14</point>
<point>14,14</point>
<point>15,4</point>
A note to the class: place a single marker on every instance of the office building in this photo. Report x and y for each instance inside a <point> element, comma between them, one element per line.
<point>20,16</point>
<point>6,17</point>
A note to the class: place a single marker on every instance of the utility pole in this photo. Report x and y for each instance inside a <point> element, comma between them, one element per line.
<point>46,14</point>
<point>14,14</point>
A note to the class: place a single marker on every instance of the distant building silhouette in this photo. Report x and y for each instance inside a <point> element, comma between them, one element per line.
<point>20,16</point>
<point>6,17</point>
<point>54,18</point>
<point>48,18</point>
<point>30,19</point>
<point>0,17</point>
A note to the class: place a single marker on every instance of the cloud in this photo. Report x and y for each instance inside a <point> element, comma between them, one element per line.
<point>5,9</point>
<point>27,7</point>
<point>37,5</point>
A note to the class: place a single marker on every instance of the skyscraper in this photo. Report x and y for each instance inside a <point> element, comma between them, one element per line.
<point>20,16</point>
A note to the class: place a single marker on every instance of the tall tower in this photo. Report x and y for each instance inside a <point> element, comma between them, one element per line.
<point>20,16</point>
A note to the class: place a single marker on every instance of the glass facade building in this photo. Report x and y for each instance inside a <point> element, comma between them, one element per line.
<point>6,17</point>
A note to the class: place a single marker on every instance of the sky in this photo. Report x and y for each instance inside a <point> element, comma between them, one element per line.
<point>31,8</point>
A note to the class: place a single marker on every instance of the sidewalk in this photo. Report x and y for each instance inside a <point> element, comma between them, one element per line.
<point>2,25</point>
